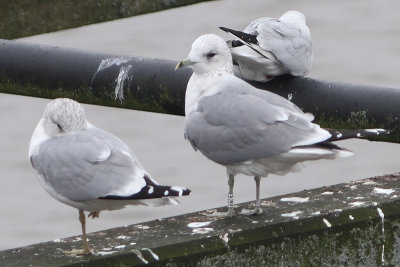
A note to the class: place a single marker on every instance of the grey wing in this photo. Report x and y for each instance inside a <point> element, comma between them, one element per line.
<point>88,165</point>
<point>237,125</point>
<point>291,44</point>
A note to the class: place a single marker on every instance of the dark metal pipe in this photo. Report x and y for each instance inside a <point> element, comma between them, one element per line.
<point>153,85</point>
<point>339,104</point>
<point>130,82</point>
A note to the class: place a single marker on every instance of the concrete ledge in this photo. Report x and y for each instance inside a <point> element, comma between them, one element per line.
<point>352,223</point>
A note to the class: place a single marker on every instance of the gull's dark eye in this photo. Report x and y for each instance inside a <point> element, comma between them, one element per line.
<point>59,126</point>
<point>211,55</point>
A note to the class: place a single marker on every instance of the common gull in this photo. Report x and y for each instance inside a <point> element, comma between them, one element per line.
<point>269,47</point>
<point>247,130</point>
<point>88,168</point>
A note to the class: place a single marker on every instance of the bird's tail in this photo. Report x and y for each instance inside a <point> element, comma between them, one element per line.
<point>326,147</point>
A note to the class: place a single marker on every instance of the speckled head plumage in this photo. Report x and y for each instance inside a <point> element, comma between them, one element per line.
<point>209,53</point>
<point>62,116</point>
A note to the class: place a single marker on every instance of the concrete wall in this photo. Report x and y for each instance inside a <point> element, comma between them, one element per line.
<point>356,223</point>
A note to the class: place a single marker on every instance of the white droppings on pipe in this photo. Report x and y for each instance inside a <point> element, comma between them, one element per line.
<point>140,256</point>
<point>382,215</point>
<point>383,191</point>
<point>154,255</point>
<point>295,199</point>
<point>123,77</point>
<point>327,223</point>
<point>105,253</point>
<point>368,182</point>
<point>225,238</point>
<point>143,227</point>
<point>292,214</point>
<point>380,212</point>
<point>356,204</point>
<point>123,74</point>
<point>198,224</point>
<point>202,230</point>
<point>123,237</point>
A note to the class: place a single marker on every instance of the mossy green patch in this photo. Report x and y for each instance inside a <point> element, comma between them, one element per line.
<point>83,94</point>
<point>21,18</point>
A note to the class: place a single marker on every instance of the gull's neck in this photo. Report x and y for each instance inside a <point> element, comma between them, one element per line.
<point>38,137</point>
<point>201,85</point>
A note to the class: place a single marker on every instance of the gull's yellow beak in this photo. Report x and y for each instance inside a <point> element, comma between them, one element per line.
<point>183,63</point>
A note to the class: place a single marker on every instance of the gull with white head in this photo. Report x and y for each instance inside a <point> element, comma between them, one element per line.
<point>88,168</point>
<point>269,47</point>
<point>247,130</point>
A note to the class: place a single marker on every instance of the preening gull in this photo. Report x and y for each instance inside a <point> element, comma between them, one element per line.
<point>247,130</point>
<point>270,47</point>
<point>88,168</point>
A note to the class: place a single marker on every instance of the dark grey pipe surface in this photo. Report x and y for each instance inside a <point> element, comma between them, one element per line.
<point>153,85</point>
<point>46,71</point>
<point>343,101</point>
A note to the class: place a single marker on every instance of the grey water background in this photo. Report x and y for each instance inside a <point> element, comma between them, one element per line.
<point>354,41</point>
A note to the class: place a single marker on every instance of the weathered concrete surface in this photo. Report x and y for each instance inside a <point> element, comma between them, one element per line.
<point>20,18</point>
<point>352,223</point>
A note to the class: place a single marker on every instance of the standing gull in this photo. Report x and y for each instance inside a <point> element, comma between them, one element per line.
<point>270,47</point>
<point>88,168</point>
<point>245,129</point>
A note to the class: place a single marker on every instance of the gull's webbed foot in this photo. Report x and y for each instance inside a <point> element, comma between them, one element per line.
<point>228,214</point>
<point>94,214</point>
<point>79,252</point>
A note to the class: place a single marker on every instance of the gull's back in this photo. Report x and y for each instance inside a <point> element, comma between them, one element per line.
<point>87,165</point>
<point>287,38</point>
<point>240,123</point>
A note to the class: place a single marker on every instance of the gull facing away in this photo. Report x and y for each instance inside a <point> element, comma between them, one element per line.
<point>245,129</point>
<point>269,47</point>
<point>88,168</point>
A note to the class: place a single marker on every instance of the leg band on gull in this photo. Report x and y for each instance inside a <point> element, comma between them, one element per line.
<point>230,200</point>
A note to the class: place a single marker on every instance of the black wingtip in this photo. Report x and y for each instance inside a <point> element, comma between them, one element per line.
<point>245,37</point>
<point>224,29</point>
<point>362,133</point>
<point>152,190</point>
<point>177,191</point>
